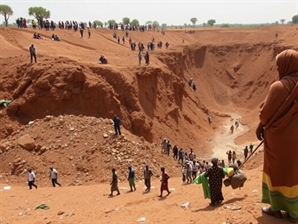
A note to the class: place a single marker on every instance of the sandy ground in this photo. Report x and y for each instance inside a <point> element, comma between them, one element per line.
<point>91,204</point>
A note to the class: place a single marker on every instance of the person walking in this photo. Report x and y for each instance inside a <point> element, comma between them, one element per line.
<point>54,177</point>
<point>164,182</point>
<point>245,152</point>
<point>117,122</point>
<point>251,146</point>
<point>89,32</point>
<point>31,179</point>
<point>234,156</point>
<point>215,175</point>
<point>114,183</point>
<point>140,56</point>
<point>32,51</point>
<point>147,178</point>
<point>147,60</point>
<point>131,178</point>
<point>229,153</point>
<point>278,128</point>
<point>81,31</point>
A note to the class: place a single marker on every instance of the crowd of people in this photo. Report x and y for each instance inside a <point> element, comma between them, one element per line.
<point>277,128</point>
<point>21,22</point>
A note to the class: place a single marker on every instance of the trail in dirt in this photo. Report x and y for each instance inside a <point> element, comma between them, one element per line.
<point>223,140</point>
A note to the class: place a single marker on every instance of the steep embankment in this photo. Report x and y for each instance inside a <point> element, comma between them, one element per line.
<point>232,74</point>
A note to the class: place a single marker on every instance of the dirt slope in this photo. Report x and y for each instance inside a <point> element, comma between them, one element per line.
<point>64,103</point>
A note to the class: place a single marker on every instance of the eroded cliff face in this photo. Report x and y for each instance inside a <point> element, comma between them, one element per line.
<point>153,101</point>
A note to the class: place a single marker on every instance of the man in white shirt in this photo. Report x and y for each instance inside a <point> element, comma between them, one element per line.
<point>54,176</point>
<point>189,172</point>
<point>31,179</point>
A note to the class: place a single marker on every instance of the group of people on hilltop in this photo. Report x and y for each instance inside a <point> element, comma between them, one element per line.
<point>190,31</point>
<point>44,24</point>
<point>21,22</point>
<point>141,28</point>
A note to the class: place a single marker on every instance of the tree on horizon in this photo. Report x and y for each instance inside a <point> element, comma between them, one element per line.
<point>134,22</point>
<point>193,21</point>
<point>111,21</point>
<point>156,24</point>
<point>295,19</point>
<point>98,23</point>
<point>282,21</point>
<point>126,20</point>
<point>39,13</point>
<point>211,22</point>
<point>6,11</point>
<point>149,22</point>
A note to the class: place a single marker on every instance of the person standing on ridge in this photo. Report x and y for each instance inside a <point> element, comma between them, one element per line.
<point>117,122</point>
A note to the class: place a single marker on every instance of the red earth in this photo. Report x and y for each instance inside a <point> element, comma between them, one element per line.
<point>63,105</point>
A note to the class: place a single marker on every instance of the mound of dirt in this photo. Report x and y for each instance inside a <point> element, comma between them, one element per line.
<point>83,149</point>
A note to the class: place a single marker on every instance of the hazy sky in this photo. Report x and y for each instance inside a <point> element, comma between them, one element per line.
<point>165,11</point>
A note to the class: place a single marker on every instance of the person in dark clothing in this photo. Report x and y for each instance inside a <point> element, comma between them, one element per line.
<point>81,31</point>
<point>215,175</point>
<point>147,58</point>
<point>180,155</point>
<point>175,152</point>
<point>131,178</point>
<point>117,122</point>
<point>245,152</point>
<point>32,53</point>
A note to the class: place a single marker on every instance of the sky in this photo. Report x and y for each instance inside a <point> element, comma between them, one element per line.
<point>163,11</point>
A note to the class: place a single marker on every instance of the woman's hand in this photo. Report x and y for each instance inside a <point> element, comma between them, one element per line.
<point>260,131</point>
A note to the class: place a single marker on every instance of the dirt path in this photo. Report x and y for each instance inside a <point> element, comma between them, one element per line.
<point>223,140</point>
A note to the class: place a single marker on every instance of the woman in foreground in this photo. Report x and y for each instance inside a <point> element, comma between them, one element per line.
<point>279,129</point>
